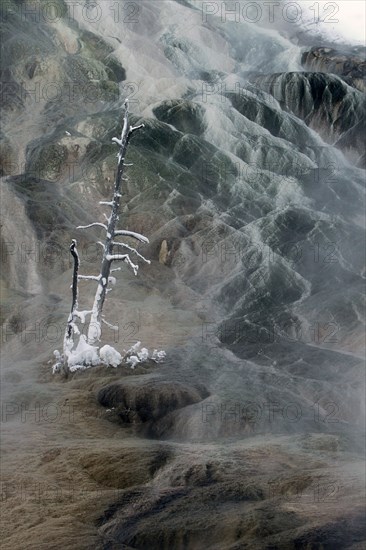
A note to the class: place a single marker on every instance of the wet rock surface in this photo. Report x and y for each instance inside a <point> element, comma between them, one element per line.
<point>229,503</point>
<point>350,63</point>
<point>327,104</point>
<point>140,400</point>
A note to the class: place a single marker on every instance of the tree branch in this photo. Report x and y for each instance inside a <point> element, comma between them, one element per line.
<point>114,327</point>
<point>112,257</point>
<point>133,128</point>
<point>92,225</point>
<point>124,258</point>
<point>81,314</point>
<point>132,234</point>
<point>124,245</point>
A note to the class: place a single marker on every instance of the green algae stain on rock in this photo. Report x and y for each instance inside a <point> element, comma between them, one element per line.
<point>48,162</point>
<point>185,115</point>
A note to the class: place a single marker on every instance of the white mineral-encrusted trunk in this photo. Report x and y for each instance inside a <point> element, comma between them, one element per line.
<point>104,279</point>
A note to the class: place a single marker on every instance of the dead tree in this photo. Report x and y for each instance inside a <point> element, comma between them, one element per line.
<point>63,359</point>
<point>110,227</point>
<point>70,328</point>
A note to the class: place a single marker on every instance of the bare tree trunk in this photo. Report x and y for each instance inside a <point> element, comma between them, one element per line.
<point>94,330</point>
<point>70,322</point>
